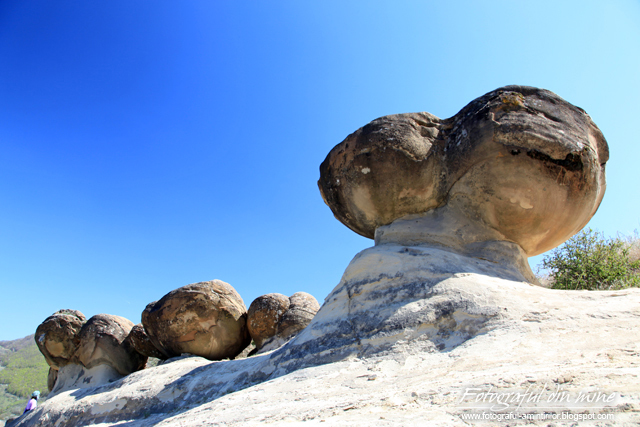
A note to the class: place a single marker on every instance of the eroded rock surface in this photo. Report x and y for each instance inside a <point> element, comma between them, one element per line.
<point>83,353</point>
<point>58,337</point>
<point>208,319</point>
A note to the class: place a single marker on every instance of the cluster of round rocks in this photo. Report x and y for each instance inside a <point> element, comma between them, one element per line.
<point>207,319</point>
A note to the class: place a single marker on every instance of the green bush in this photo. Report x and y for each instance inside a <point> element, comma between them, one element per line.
<point>590,261</point>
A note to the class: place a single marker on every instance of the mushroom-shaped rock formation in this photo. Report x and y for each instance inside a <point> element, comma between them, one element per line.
<point>274,318</point>
<point>58,337</point>
<point>207,319</point>
<point>519,164</point>
<point>442,292</point>
<point>103,342</point>
<point>141,343</point>
<point>85,353</point>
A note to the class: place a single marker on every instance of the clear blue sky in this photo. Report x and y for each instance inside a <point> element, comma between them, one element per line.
<point>148,145</point>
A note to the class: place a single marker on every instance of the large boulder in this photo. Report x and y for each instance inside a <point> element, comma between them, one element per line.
<point>521,161</point>
<point>103,342</point>
<point>207,319</point>
<point>58,338</point>
<point>274,318</point>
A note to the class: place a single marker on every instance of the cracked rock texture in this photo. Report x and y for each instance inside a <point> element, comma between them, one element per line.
<point>207,319</point>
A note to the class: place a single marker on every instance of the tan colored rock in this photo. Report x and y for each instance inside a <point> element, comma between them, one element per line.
<point>264,315</point>
<point>521,161</point>
<point>141,343</point>
<point>303,307</point>
<point>103,342</point>
<point>207,319</point>
<point>58,337</point>
<point>274,318</point>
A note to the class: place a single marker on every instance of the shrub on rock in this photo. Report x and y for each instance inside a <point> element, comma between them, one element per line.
<point>589,261</point>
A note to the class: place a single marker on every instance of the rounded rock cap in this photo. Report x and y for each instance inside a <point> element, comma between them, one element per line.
<point>520,160</point>
<point>57,337</point>
<point>103,342</point>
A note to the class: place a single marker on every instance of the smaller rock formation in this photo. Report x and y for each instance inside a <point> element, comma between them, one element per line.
<point>207,319</point>
<point>140,341</point>
<point>83,353</point>
<point>103,342</point>
<point>273,318</point>
<point>57,337</point>
<point>264,315</point>
<point>302,308</point>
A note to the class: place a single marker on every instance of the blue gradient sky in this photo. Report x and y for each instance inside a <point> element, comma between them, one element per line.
<point>148,145</point>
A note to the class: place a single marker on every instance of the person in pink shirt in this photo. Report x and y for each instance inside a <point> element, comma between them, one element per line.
<point>33,402</point>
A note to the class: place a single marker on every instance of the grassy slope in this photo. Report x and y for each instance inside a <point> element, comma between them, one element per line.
<point>25,370</point>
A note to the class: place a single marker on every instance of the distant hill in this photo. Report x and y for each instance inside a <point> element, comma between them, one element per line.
<point>18,344</point>
<point>22,370</point>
